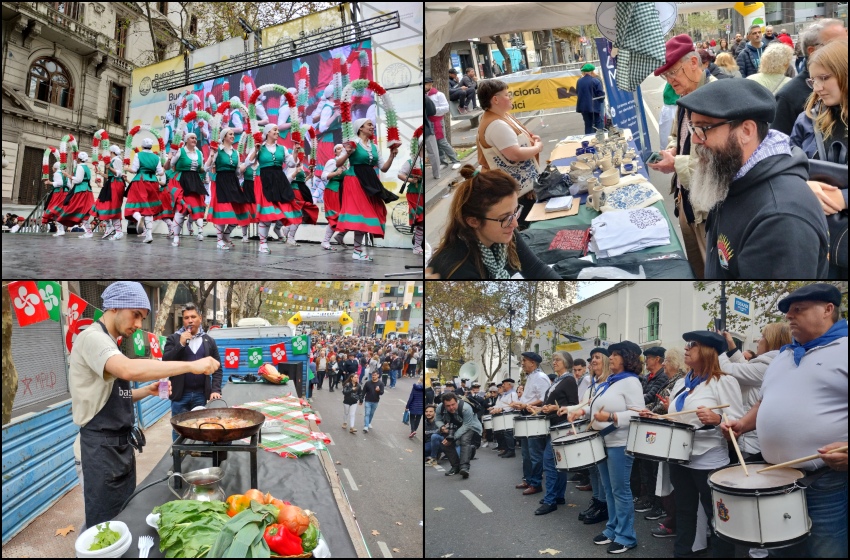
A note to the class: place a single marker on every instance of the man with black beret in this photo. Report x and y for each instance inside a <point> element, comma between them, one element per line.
<point>536,383</point>
<point>762,223</point>
<point>505,438</point>
<point>809,375</point>
<point>707,338</point>
<point>656,379</point>
<point>459,93</point>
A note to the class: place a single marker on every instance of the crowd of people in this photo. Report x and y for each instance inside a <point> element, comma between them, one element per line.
<point>715,390</point>
<point>747,123</point>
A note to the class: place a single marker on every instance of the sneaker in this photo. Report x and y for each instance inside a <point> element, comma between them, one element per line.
<point>617,548</point>
<point>229,243</point>
<point>662,532</point>
<point>264,248</point>
<point>200,236</point>
<point>108,234</point>
<point>412,435</point>
<point>464,473</point>
<point>175,241</point>
<point>352,430</point>
<point>456,165</point>
<point>148,236</point>
<point>358,256</point>
<point>222,245</point>
<point>601,539</point>
<point>366,429</point>
<point>246,240</point>
<point>485,444</point>
<point>452,472</point>
<point>327,247</point>
<point>344,425</point>
<point>58,233</point>
<point>418,250</point>
<point>656,513</point>
<point>643,505</point>
<point>117,236</point>
<point>292,242</point>
<point>87,235</point>
<point>462,110</point>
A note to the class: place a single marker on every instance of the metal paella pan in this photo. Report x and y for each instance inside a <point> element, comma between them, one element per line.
<point>216,424</point>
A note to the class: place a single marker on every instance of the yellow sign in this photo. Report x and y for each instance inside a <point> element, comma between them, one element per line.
<point>507,332</point>
<point>296,319</point>
<point>544,93</point>
<point>569,347</point>
<point>345,319</point>
<point>303,27</point>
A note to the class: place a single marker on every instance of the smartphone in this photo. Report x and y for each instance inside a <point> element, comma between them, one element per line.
<point>654,158</point>
<point>718,325</point>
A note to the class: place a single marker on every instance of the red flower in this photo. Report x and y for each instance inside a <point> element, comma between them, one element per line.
<point>134,130</point>
<point>296,136</point>
<point>258,137</point>
<point>175,147</point>
<point>376,87</point>
<point>214,145</point>
<point>392,133</point>
<point>63,158</point>
<point>105,135</point>
<point>345,111</point>
<point>126,161</point>
<point>45,169</point>
<point>190,116</point>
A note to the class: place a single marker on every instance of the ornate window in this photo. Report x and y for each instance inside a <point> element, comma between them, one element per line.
<point>48,81</point>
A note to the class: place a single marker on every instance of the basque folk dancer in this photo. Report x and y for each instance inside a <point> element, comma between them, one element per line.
<point>111,198</point>
<point>143,195</point>
<point>187,163</point>
<point>229,206</point>
<point>333,176</point>
<point>59,183</point>
<point>78,203</point>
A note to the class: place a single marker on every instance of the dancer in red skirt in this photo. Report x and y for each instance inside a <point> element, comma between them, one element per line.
<point>304,202</point>
<point>229,207</point>
<point>415,202</point>
<point>272,190</point>
<point>143,196</point>
<point>362,194</point>
<point>78,203</point>
<point>54,203</point>
<point>111,198</point>
<point>168,198</point>
<point>247,169</point>
<point>333,176</point>
<point>187,163</point>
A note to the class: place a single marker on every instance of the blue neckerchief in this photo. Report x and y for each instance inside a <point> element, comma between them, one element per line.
<point>613,379</point>
<point>838,330</point>
<point>181,330</point>
<point>558,380</point>
<point>691,383</point>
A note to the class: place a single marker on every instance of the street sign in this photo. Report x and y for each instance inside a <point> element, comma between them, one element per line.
<point>741,306</point>
<point>728,27</point>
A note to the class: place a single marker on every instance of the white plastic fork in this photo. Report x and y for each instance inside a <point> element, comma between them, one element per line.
<point>145,544</point>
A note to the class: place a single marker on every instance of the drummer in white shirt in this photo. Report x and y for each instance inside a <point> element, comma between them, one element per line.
<point>536,383</point>
<point>505,438</point>
<point>703,387</point>
<point>803,410</point>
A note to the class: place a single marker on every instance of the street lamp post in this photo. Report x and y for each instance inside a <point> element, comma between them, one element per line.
<point>511,312</point>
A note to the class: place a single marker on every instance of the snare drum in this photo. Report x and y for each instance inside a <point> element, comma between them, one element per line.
<point>504,420</point>
<point>766,510</point>
<point>660,440</point>
<point>574,453</point>
<point>566,429</point>
<point>488,422</point>
<point>531,426</point>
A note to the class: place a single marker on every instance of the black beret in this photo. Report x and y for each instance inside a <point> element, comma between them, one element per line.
<point>476,384</point>
<point>732,100</point>
<point>813,292</point>
<point>428,80</point>
<point>655,351</point>
<point>452,71</point>
<point>435,384</point>
<point>603,351</point>
<point>464,380</point>
<point>533,356</point>
<point>625,346</point>
<point>707,338</point>
<point>452,383</point>
<point>508,380</point>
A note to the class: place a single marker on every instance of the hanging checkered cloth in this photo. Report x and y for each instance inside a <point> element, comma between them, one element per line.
<point>640,43</point>
<point>296,439</point>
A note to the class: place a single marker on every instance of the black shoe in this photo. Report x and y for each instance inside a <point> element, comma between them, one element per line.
<point>508,455</point>
<point>594,504</point>
<point>452,472</point>
<point>601,539</point>
<point>464,473</point>
<point>643,505</point>
<point>597,515</point>
<point>617,548</point>
<point>545,508</point>
<point>558,501</point>
<point>656,513</point>
<point>576,477</point>
<point>330,390</point>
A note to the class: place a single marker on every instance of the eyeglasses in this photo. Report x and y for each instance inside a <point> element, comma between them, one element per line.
<point>817,80</point>
<point>670,73</point>
<point>691,344</point>
<point>700,131</point>
<point>506,222</point>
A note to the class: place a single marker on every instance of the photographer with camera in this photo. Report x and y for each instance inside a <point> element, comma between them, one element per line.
<point>458,424</point>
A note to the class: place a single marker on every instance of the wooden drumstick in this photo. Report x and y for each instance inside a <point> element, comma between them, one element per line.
<point>695,410</point>
<point>735,444</point>
<point>801,459</point>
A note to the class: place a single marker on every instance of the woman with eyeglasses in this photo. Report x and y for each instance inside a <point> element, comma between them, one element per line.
<point>704,386</point>
<point>480,242</point>
<point>504,143</point>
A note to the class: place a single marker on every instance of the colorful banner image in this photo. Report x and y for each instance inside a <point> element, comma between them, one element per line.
<point>536,92</point>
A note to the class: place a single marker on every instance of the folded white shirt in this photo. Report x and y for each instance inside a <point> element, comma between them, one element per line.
<point>559,203</point>
<point>618,232</point>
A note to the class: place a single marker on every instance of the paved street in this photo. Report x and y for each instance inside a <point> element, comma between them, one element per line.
<point>556,128</point>
<point>381,471</point>
<point>27,256</point>
<point>462,529</point>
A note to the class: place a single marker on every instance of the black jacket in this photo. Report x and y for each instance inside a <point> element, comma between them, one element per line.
<point>771,225</point>
<point>566,393</point>
<point>455,263</point>
<point>350,393</point>
<point>174,352</point>
<point>653,386</point>
<point>790,101</point>
<point>429,395</point>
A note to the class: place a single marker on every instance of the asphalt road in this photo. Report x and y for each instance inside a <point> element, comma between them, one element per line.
<point>511,530</point>
<point>551,130</point>
<point>384,466</point>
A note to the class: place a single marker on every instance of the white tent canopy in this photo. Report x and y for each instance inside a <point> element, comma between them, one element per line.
<point>449,22</point>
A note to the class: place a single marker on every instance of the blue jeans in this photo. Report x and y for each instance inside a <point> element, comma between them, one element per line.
<point>827,504</point>
<point>186,403</point>
<point>556,481</point>
<point>532,460</point>
<point>370,411</point>
<point>393,376</point>
<point>614,472</point>
<point>433,445</point>
<point>596,485</point>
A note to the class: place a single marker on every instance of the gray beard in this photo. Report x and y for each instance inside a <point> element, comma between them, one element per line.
<point>713,173</point>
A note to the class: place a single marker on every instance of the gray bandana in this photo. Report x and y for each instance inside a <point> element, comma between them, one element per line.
<point>495,258</point>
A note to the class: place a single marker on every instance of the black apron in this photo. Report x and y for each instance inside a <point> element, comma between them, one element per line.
<point>108,461</point>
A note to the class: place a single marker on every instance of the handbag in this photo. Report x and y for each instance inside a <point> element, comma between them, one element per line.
<point>550,184</point>
<point>406,418</point>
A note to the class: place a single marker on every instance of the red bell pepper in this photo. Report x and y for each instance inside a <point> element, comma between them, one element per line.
<point>282,541</point>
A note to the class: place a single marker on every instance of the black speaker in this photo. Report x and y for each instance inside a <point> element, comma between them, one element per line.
<point>294,371</point>
<point>431,364</point>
